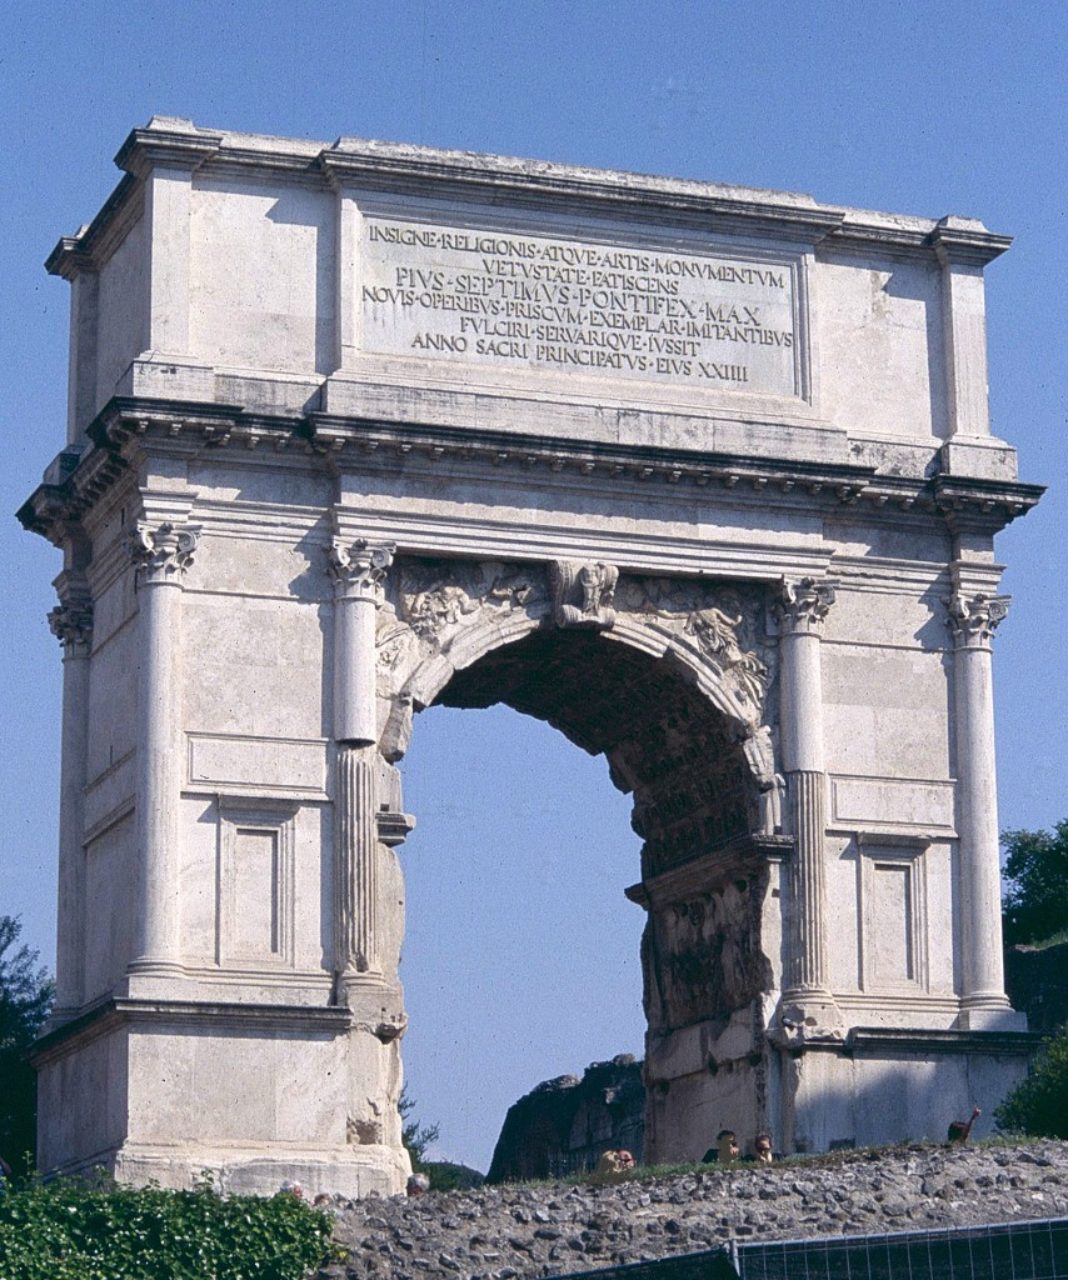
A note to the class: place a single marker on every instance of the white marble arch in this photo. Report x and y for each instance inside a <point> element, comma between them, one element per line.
<point>762,524</point>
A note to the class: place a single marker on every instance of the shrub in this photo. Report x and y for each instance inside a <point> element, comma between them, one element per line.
<point>67,1230</point>
<point>1039,1105</point>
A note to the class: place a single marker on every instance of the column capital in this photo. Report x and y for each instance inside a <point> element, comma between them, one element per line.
<point>359,568</point>
<point>973,619</point>
<point>163,553</point>
<point>802,604</point>
<point>71,621</point>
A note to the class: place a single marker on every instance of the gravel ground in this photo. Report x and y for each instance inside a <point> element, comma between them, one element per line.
<point>516,1231</point>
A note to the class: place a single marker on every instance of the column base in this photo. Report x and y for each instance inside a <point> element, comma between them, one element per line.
<point>990,1013</point>
<point>154,980</point>
<point>812,1011</point>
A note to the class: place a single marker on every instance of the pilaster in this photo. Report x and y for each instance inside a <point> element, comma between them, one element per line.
<point>964,247</point>
<point>163,158</point>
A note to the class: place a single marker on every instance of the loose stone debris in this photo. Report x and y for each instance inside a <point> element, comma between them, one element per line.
<point>512,1232</point>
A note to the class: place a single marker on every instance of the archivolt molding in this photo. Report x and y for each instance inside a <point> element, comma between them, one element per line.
<point>442,616</point>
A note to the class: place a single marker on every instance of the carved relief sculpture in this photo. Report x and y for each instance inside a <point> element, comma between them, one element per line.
<point>583,593</point>
<point>437,600</point>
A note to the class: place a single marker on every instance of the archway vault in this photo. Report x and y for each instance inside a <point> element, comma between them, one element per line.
<point>672,681</point>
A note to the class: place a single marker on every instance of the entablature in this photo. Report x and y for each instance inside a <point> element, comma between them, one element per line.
<point>346,444</point>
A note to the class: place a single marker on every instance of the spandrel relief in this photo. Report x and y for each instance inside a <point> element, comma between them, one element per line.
<point>430,605</point>
<point>725,624</point>
<point>439,599</point>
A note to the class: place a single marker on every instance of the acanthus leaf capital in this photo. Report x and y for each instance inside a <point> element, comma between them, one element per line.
<point>973,619</point>
<point>802,604</point>
<point>359,567</point>
<point>163,553</point>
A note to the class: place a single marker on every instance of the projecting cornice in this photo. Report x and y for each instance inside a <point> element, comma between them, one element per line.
<point>966,242</point>
<point>414,170</point>
<point>167,142</point>
<point>405,169</point>
<point>351,444</point>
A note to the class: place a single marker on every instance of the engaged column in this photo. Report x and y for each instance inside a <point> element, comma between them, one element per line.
<point>973,620</point>
<point>802,607</point>
<point>359,569</point>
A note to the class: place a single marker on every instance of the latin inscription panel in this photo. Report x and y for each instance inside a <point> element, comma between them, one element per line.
<point>567,307</point>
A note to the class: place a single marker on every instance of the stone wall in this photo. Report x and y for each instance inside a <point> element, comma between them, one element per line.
<point>512,1232</point>
<point>563,1125</point>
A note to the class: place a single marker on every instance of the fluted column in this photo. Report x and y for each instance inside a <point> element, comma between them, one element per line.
<point>973,618</point>
<point>802,607</point>
<point>162,555</point>
<point>359,570</point>
<point>72,624</point>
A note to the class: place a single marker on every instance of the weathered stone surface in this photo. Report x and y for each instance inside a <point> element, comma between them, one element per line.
<point>563,1125</point>
<point>508,1232</point>
<point>700,475</point>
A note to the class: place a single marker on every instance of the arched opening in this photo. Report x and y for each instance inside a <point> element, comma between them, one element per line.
<point>521,959</point>
<point>703,876</point>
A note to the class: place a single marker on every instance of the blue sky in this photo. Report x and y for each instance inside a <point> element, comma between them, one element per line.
<point>522,960</point>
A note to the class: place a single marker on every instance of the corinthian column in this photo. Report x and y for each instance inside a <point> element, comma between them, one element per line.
<point>162,555</point>
<point>72,624</point>
<point>802,607</point>
<point>359,570</point>
<point>973,618</point>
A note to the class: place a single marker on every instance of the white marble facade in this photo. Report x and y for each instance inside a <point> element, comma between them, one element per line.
<point>703,474</point>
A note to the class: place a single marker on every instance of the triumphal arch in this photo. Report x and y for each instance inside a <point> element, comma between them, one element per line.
<point>700,475</point>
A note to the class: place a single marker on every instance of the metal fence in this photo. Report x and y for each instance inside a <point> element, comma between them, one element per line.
<point>1031,1250</point>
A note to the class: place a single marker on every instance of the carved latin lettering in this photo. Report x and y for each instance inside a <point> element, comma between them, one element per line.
<point>512,300</point>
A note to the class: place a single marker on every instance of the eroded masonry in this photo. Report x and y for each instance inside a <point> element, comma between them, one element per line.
<point>701,475</point>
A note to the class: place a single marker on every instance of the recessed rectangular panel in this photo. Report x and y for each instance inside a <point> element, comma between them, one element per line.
<point>256,893</point>
<point>891,945</point>
<point>715,319</point>
<point>892,802</point>
<point>277,766</point>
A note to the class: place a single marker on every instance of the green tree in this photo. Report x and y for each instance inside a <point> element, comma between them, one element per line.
<point>417,1138</point>
<point>1036,883</point>
<point>1039,1105</point>
<point>25,1000</point>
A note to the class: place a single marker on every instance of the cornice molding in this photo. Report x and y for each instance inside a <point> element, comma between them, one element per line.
<point>882,1040</point>
<point>415,170</point>
<point>408,170</point>
<point>118,1011</point>
<point>966,242</point>
<point>342,443</point>
<point>88,248</point>
<point>166,142</point>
